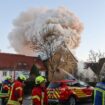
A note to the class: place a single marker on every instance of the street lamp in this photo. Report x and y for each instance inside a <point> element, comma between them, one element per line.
<point>19,65</point>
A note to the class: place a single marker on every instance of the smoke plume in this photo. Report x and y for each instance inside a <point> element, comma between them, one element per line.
<point>36,22</point>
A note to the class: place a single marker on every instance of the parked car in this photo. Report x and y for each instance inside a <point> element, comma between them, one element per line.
<point>68,91</point>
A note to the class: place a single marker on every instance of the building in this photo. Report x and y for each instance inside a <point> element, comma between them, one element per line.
<point>13,64</point>
<point>64,62</point>
<point>97,67</point>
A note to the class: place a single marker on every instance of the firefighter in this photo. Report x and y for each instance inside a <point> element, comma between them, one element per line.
<point>39,93</point>
<point>16,94</point>
<point>5,90</point>
<point>99,92</point>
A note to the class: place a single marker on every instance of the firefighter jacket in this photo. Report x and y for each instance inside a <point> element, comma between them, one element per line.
<point>16,94</point>
<point>39,96</point>
<point>5,89</point>
<point>99,94</point>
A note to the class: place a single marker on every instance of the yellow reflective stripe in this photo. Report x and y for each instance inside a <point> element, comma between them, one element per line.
<point>103,94</point>
<point>57,90</point>
<point>36,97</point>
<point>48,92</point>
<point>94,94</point>
<point>20,99</point>
<point>57,94</point>
<point>99,90</point>
<point>11,92</point>
<point>11,102</point>
<point>4,95</point>
<point>82,96</point>
<point>42,98</point>
<point>19,88</point>
<point>49,96</point>
<point>54,95</point>
<point>79,93</point>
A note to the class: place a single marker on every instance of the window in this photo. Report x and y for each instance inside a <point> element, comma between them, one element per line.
<point>77,84</point>
<point>4,73</point>
<point>54,85</point>
<point>83,84</point>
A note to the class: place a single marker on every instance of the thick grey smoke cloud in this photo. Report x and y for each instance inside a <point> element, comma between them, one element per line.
<point>35,23</point>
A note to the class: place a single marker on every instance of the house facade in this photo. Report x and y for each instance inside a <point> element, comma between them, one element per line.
<point>65,64</point>
<point>14,64</point>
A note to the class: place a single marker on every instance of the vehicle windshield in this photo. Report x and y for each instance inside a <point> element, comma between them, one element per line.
<point>77,84</point>
<point>83,83</point>
<point>54,85</point>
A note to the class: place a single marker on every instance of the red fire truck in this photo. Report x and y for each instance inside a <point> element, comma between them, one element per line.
<point>69,91</point>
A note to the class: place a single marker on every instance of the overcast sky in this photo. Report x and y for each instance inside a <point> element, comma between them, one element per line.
<point>90,12</point>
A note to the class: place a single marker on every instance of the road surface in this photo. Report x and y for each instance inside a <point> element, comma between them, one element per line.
<point>88,103</point>
<point>27,102</point>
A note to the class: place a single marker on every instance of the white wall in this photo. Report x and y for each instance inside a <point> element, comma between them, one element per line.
<point>11,73</point>
<point>86,73</point>
<point>6,72</point>
<point>42,73</point>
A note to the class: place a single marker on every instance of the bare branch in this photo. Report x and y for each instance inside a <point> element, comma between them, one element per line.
<point>95,56</point>
<point>49,47</point>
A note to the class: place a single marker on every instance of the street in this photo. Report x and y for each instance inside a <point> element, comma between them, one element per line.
<point>85,103</point>
<point>27,102</point>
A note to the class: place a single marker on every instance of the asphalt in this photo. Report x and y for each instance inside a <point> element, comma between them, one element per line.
<point>28,102</point>
<point>86,103</point>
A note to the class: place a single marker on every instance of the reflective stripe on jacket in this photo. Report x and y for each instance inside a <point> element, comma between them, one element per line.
<point>99,94</point>
<point>39,96</point>
<point>5,91</point>
<point>16,94</point>
<point>11,102</point>
<point>4,95</point>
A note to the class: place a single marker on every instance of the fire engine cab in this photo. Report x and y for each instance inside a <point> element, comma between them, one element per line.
<point>68,91</point>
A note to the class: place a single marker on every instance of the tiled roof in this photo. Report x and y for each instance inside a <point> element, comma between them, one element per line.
<point>18,62</point>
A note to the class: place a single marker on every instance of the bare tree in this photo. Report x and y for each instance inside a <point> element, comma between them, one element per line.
<point>47,48</point>
<point>95,56</point>
<point>95,62</point>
